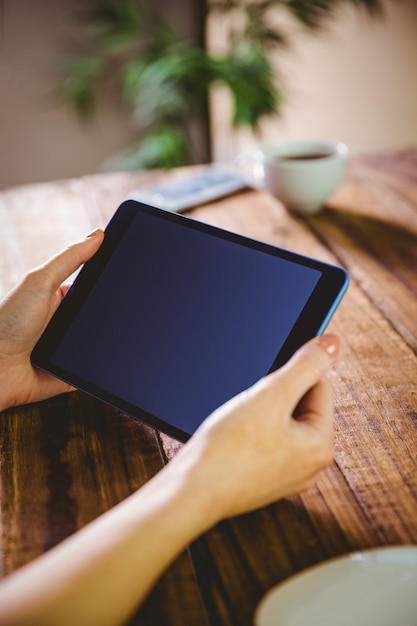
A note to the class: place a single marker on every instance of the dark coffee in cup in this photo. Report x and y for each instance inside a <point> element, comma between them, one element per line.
<point>305,157</point>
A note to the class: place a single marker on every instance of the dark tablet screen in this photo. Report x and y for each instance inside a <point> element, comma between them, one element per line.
<point>173,317</point>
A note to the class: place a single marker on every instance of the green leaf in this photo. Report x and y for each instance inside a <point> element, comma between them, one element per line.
<point>117,23</point>
<point>250,77</point>
<point>164,146</point>
<point>312,13</point>
<point>258,31</point>
<point>373,7</point>
<point>131,77</point>
<point>176,84</point>
<point>80,86</point>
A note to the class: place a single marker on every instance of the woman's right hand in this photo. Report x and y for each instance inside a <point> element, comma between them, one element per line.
<point>270,441</point>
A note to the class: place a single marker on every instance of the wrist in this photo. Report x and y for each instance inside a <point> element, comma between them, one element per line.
<point>184,498</point>
<point>6,401</point>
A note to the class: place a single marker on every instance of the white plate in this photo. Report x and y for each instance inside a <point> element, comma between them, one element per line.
<point>372,588</point>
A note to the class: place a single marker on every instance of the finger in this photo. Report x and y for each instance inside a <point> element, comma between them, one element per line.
<point>309,364</point>
<point>61,266</point>
<point>318,401</point>
<point>63,289</point>
<point>316,414</point>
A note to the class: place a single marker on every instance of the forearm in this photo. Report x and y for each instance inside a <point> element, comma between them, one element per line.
<point>101,574</point>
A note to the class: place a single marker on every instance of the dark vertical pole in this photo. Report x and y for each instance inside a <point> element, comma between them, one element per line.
<point>201,34</point>
<point>189,22</point>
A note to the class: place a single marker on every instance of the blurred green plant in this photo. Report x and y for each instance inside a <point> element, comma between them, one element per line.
<point>164,81</point>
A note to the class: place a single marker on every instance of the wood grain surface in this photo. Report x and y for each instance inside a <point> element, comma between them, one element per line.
<point>67,460</point>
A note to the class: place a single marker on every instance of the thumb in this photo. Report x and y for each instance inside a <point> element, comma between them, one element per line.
<point>57,269</point>
<point>309,364</point>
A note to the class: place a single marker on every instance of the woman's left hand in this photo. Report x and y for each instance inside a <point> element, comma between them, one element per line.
<point>24,314</point>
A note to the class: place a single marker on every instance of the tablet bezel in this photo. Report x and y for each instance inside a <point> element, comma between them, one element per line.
<point>312,321</point>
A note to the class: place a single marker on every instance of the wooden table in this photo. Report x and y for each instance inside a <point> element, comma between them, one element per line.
<point>65,461</point>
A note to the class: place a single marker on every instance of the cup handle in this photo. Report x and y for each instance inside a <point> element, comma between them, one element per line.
<point>251,168</point>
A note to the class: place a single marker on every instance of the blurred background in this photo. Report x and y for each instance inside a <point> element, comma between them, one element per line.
<point>93,84</point>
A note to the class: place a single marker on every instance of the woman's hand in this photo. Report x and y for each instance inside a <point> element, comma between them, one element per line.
<point>24,314</point>
<point>270,441</point>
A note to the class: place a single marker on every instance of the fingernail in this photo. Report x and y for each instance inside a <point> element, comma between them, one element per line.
<point>93,233</point>
<point>330,343</point>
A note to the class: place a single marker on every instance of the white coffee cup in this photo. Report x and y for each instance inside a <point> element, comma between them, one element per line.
<point>301,174</point>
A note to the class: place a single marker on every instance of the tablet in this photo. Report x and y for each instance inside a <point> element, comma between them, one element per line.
<point>172,317</point>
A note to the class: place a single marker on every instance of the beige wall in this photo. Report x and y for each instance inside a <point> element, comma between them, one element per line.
<point>357,83</point>
<point>41,139</point>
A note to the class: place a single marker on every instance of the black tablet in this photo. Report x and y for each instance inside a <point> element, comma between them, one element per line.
<point>173,317</point>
